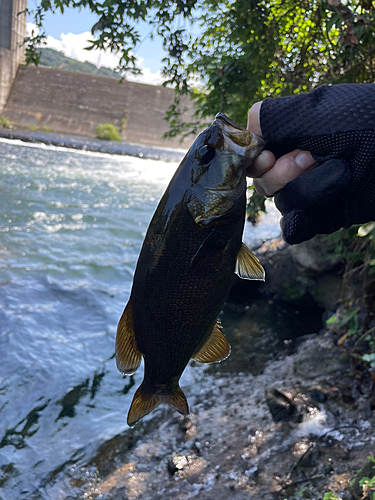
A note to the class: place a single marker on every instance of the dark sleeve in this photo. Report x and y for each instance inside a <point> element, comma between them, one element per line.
<point>326,122</point>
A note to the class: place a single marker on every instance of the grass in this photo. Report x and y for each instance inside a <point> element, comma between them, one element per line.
<point>4,122</point>
<point>108,132</point>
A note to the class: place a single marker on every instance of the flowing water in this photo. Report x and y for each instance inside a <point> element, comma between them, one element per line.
<point>71,227</point>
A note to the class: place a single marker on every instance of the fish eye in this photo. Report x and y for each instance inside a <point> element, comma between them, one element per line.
<point>205,154</point>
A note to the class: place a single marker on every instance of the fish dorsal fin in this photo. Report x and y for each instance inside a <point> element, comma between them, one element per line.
<point>248,266</point>
<point>144,403</point>
<point>216,348</point>
<point>128,357</point>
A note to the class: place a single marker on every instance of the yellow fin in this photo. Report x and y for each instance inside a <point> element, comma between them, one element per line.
<point>144,403</point>
<point>128,357</point>
<point>248,266</point>
<point>216,348</point>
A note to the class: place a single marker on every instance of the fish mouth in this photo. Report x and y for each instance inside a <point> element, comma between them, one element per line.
<point>239,139</point>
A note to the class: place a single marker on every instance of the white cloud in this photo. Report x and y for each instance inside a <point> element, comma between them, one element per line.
<point>73,45</point>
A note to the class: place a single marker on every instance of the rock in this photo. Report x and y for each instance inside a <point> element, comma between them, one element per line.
<point>308,255</point>
<point>317,361</point>
<point>117,494</point>
<point>317,395</point>
<point>281,407</point>
<point>299,274</point>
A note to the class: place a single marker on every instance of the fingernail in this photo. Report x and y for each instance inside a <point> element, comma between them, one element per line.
<point>262,162</point>
<point>304,160</point>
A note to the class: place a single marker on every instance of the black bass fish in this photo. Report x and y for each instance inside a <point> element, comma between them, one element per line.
<point>185,269</point>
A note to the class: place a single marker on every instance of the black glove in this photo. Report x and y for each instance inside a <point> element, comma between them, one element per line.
<point>337,125</point>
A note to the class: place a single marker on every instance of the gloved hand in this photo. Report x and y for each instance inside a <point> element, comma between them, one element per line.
<point>336,124</point>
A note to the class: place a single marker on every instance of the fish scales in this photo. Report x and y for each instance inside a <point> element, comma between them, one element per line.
<point>186,267</point>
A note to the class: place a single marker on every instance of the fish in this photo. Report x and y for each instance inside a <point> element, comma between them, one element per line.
<point>192,248</point>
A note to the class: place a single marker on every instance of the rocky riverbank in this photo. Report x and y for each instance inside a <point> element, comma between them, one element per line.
<point>300,424</point>
<point>90,144</point>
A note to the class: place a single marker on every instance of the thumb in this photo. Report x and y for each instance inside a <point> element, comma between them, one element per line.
<point>253,119</point>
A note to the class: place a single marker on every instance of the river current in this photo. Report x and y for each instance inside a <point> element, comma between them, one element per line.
<point>71,228</point>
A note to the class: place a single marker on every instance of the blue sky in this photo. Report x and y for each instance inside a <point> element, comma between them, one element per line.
<point>65,33</point>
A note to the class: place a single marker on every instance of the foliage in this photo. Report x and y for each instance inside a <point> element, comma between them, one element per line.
<point>356,247</point>
<point>369,358</point>
<point>107,131</point>
<point>368,486</point>
<point>331,496</point>
<point>350,318</point>
<point>46,128</point>
<point>240,50</point>
<point>54,59</point>
<point>256,203</point>
<point>33,127</point>
<point>4,122</point>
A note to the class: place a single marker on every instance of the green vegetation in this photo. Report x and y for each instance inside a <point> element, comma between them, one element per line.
<point>108,132</point>
<point>54,59</point>
<point>361,487</point>
<point>32,127</point>
<point>356,246</point>
<point>4,122</point>
<point>45,128</point>
<point>240,51</point>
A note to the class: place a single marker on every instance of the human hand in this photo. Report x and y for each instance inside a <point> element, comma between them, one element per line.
<point>271,174</point>
<point>336,124</point>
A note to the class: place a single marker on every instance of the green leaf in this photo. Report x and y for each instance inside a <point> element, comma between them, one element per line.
<point>335,20</point>
<point>366,229</point>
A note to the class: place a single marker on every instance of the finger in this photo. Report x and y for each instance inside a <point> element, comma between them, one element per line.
<point>262,163</point>
<point>286,169</point>
<point>253,119</point>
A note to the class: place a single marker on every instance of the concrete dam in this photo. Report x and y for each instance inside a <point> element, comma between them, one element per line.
<point>75,103</point>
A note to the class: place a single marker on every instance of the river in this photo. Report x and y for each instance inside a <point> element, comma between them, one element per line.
<point>71,228</point>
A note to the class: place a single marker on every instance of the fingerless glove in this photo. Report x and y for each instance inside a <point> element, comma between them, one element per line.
<point>337,125</point>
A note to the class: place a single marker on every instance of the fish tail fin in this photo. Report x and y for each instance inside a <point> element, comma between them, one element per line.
<point>143,403</point>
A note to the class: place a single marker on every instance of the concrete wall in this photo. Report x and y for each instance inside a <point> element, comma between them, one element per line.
<point>12,33</point>
<point>76,103</point>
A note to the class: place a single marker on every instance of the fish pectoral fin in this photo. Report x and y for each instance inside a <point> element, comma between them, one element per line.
<point>216,348</point>
<point>143,403</point>
<point>128,356</point>
<point>248,266</point>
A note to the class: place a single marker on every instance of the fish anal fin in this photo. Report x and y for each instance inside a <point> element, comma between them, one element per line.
<point>128,356</point>
<point>143,403</point>
<point>216,348</point>
<point>248,266</point>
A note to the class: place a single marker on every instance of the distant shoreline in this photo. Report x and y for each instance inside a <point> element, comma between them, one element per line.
<point>94,145</point>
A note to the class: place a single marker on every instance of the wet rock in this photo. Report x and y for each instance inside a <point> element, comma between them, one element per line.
<point>171,466</point>
<point>310,458</point>
<point>233,448</point>
<point>117,494</point>
<point>308,255</point>
<point>300,274</point>
<point>318,395</point>
<point>281,407</point>
<point>317,361</point>
<point>333,447</point>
